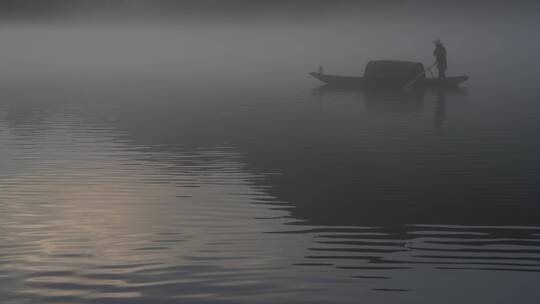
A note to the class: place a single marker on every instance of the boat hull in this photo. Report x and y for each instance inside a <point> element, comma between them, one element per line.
<point>363,82</point>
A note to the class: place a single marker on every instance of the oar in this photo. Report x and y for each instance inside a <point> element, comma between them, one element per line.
<point>410,83</point>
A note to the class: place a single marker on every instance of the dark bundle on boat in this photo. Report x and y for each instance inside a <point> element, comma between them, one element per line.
<point>392,72</point>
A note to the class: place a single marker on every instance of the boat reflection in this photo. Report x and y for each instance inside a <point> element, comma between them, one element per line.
<point>380,101</point>
<point>397,101</point>
<point>440,110</point>
<point>394,101</point>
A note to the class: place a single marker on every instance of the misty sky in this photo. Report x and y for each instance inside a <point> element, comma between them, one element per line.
<point>268,10</point>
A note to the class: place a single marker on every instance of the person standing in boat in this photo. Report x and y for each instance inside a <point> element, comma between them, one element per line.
<point>440,58</point>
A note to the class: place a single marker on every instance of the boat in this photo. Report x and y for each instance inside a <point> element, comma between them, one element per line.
<point>362,81</point>
<point>391,73</point>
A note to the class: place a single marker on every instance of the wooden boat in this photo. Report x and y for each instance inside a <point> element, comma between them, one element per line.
<point>362,81</point>
<point>389,73</point>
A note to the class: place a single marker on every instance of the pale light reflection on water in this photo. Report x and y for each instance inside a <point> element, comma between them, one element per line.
<point>135,183</point>
<point>86,216</point>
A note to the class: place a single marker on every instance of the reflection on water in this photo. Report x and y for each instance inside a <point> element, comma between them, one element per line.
<point>97,209</point>
<point>153,189</point>
<point>87,217</point>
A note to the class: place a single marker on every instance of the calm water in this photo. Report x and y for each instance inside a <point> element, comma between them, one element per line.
<point>197,165</point>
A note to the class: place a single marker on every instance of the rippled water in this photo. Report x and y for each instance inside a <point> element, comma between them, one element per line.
<point>158,182</point>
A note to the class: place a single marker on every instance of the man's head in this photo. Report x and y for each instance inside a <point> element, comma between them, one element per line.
<point>437,42</point>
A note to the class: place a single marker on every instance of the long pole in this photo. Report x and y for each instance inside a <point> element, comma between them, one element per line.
<point>410,83</point>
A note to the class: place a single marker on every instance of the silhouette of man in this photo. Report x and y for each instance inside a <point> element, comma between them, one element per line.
<point>440,58</point>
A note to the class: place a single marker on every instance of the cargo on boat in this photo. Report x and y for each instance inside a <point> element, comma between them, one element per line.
<point>391,73</point>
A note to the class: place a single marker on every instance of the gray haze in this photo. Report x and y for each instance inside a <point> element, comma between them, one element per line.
<point>204,37</point>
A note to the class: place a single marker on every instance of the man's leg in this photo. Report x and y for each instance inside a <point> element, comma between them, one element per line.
<point>442,73</point>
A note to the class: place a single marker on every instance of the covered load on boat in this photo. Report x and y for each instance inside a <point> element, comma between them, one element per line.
<point>393,70</point>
